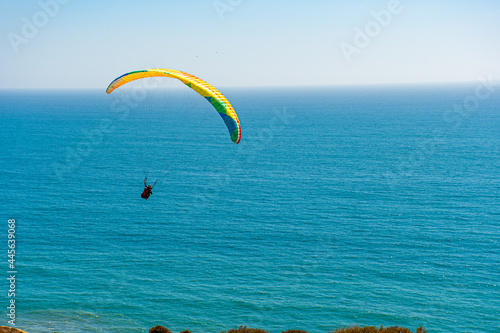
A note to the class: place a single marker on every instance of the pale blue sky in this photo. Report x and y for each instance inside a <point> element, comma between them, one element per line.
<point>86,44</point>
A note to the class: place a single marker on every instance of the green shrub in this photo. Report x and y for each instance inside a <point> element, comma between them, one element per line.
<point>159,329</point>
<point>373,329</point>
<point>244,329</point>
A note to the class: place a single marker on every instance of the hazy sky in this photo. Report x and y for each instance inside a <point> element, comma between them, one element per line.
<point>86,44</point>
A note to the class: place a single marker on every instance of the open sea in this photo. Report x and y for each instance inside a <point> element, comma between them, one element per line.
<point>341,206</point>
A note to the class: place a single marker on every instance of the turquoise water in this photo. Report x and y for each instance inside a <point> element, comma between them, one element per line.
<point>341,206</point>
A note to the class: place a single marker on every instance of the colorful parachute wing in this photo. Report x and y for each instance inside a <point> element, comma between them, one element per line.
<point>218,101</point>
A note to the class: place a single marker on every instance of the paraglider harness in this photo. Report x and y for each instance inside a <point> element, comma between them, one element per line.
<point>148,189</point>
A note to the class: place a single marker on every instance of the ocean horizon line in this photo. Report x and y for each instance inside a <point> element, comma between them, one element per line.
<point>275,87</point>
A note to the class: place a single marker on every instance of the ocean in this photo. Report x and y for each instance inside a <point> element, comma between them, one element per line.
<point>369,205</point>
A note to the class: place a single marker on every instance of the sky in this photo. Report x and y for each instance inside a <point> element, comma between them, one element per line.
<point>54,44</point>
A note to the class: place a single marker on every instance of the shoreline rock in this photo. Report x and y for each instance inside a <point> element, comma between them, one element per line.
<point>6,329</point>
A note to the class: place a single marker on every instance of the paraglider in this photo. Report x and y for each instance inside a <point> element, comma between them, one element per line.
<point>148,189</point>
<point>214,97</point>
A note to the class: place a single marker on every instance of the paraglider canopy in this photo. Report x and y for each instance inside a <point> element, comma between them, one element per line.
<point>214,96</point>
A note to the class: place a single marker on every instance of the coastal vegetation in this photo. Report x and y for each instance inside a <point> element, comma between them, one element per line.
<point>352,329</point>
